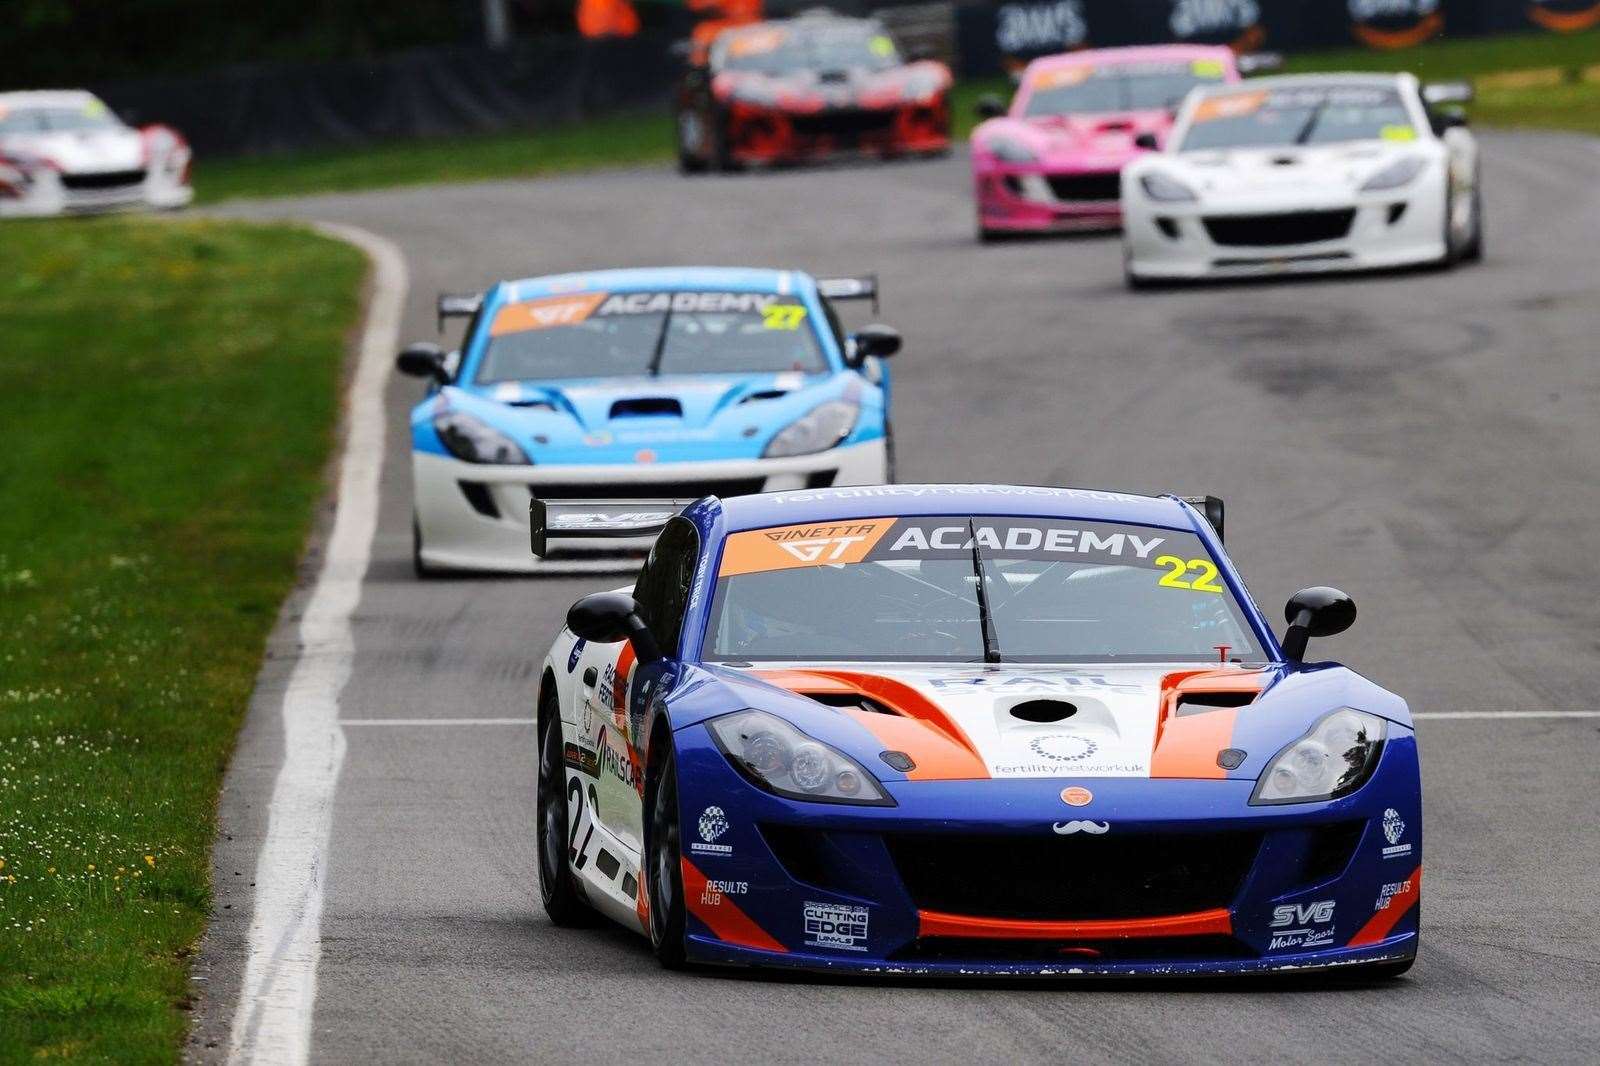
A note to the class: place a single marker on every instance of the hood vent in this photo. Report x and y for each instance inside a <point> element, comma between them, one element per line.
<point>647,406</point>
<point>764,394</point>
<point>849,701</point>
<point>1199,702</point>
<point>1044,711</point>
<point>834,77</point>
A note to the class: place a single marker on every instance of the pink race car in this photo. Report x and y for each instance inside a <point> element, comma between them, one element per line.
<point>1053,161</point>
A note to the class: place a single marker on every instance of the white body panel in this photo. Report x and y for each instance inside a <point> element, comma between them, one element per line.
<point>456,535</point>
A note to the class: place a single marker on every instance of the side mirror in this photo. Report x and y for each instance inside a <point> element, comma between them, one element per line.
<point>990,106</point>
<point>1147,141</point>
<point>1446,119</point>
<point>873,341</point>
<point>607,617</point>
<point>1447,92</point>
<point>424,360</point>
<point>1315,612</point>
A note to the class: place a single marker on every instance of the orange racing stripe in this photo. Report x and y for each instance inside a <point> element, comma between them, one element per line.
<point>1186,745</point>
<point>1195,923</point>
<point>1382,923</point>
<point>729,924</point>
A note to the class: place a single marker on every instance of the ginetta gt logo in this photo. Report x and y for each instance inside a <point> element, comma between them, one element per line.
<point>1062,829</point>
<point>822,549</point>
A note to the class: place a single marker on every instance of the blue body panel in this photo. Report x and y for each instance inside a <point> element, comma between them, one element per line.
<point>568,421</point>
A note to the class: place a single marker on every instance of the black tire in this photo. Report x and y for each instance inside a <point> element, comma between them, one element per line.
<point>663,862</point>
<point>418,567</point>
<point>556,888</point>
<point>1473,252</point>
<point>688,162</point>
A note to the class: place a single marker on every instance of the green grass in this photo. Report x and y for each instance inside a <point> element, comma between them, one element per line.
<point>171,392</point>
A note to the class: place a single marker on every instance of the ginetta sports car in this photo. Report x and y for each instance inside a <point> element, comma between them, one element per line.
<point>1053,161</point>
<point>620,385</point>
<point>1306,174</point>
<point>63,152</point>
<point>968,730</point>
<point>806,89</point>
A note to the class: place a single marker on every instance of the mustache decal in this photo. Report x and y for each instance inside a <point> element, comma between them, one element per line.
<point>1064,828</point>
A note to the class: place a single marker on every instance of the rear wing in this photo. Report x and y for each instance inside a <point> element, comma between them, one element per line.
<point>1435,93</point>
<point>596,520</point>
<point>458,305</point>
<point>1211,507</point>
<point>860,287</point>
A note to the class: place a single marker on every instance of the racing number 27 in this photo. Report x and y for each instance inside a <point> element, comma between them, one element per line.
<point>1205,571</point>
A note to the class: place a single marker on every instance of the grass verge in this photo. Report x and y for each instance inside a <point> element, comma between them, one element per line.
<point>172,389</point>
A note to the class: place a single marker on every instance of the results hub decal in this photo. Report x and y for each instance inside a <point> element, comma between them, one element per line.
<point>1390,24</point>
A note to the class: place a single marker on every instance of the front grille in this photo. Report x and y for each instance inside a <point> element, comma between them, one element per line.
<point>1270,231</point>
<point>111,179</point>
<point>650,490</point>
<point>847,123</point>
<point>1086,186</point>
<point>1079,877</point>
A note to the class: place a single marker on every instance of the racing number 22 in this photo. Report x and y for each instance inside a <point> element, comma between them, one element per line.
<point>1174,578</point>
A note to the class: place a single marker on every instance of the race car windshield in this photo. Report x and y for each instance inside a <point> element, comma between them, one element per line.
<point>907,589</point>
<point>90,117</point>
<point>1292,117</point>
<point>1123,87</point>
<point>776,51</point>
<point>593,335</point>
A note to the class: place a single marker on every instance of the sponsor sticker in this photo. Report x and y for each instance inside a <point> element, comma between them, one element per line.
<point>1302,925</point>
<point>712,825</point>
<point>1076,796</point>
<point>1063,829</point>
<point>1388,892</point>
<point>1063,747</point>
<point>583,760</point>
<point>547,313</point>
<point>1394,828</point>
<point>711,895</point>
<point>1398,133</point>
<point>575,654</point>
<point>836,925</point>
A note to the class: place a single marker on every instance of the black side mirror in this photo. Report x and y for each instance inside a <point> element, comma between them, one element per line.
<point>424,360</point>
<point>1450,119</point>
<point>990,106</point>
<point>607,617</point>
<point>1146,141</point>
<point>873,341</point>
<point>1315,612</point>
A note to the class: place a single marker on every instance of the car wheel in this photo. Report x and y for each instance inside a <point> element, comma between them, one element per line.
<point>688,161</point>
<point>663,862</point>
<point>1473,252</point>
<point>418,566</point>
<point>556,888</point>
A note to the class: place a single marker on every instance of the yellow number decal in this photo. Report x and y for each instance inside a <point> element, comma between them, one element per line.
<point>783,316</point>
<point>1173,578</point>
<point>1207,581</point>
<point>1177,568</point>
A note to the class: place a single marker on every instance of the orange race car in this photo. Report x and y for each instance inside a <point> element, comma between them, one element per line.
<point>805,89</point>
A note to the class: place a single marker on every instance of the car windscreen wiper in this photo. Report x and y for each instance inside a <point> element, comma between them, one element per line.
<point>1311,123</point>
<point>991,649</point>
<point>661,343</point>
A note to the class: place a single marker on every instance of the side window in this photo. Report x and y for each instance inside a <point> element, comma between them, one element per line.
<point>665,580</point>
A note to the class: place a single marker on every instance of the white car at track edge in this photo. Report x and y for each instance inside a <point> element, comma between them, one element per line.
<point>1306,174</point>
<point>66,152</point>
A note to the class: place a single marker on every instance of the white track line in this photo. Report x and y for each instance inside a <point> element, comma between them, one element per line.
<point>273,1022</point>
<point>436,721</point>
<point>1465,715</point>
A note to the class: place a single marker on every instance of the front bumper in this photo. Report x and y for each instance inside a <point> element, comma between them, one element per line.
<point>871,889</point>
<point>474,516</point>
<point>1375,231</point>
<point>47,194</point>
<point>1043,200</point>
<point>766,136</point>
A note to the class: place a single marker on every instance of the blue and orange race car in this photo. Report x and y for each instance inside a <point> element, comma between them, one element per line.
<point>969,730</point>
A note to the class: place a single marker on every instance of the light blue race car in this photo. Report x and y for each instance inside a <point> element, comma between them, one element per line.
<point>634,391</point>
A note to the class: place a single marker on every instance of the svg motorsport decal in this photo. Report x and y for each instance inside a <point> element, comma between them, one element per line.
<point>1302,925</point>
<point>839,926</point>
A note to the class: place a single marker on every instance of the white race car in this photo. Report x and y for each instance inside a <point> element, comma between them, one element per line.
<point>1305,174</point>
<point>65,152</point>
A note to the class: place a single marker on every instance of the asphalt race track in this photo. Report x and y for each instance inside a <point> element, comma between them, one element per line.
<point>1427,442</point>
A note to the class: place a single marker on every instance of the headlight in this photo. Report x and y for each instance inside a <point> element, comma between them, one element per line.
<point>1167,190</point>
<point>1008,151</point>
<point>1336,757</point>
<point>776,756</point>
<point>1395,174</point>
<point>469,438</point>
<point>822,428</point>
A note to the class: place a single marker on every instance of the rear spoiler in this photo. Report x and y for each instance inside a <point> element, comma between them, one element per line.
<point>1447,92</point>
<point>1256,62</point>
<point>458,305</point>
<point>596,520</point>
<point>1210,506</point>
<point>862,287</point>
